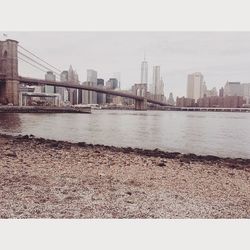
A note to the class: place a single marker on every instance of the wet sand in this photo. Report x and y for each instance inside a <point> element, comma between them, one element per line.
<point>49,179</point>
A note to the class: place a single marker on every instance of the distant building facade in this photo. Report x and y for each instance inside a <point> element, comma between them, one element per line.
<point>157,87</point>
<point>72,78</point>
<point>144,72</point>
<point>90,97</point>
<point>185,102</point>
<point>112,83</point>
<point>195,86</point>
<point>156,80</point>
<point>232,89</point>
<point>238,89</point>
<point>50,76</point>
<point>170,100</point>
<point>221,92</point>
<point>246,92</point>
<point>101,98</point>
<point>221,102</point>
<point>61,90</point>
<point>117,75</point>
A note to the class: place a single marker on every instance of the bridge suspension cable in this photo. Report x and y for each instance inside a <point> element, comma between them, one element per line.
<point>31,59</point>
<point>55,68</point>
<point>33,65</point>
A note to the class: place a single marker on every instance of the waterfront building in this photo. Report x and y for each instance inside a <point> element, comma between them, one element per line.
<point>50,76</point>
<point>238,89</point>
<point>233,89</point>
<point>221,102</point>
<point>185,102</point>
<point>246,89</point>
<point>195,86</point>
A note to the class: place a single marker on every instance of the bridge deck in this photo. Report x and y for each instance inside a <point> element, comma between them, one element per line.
<point>34,81</point>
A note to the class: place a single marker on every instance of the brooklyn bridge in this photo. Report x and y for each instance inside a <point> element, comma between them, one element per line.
<point>10,80</point>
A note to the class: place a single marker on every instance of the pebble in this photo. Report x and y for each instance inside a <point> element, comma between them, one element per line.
<point>48,179</point>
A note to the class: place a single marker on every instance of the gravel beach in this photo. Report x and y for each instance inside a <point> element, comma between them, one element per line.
<point>49,179</point>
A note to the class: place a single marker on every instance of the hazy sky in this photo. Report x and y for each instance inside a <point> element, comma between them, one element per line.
<point>220,56</point>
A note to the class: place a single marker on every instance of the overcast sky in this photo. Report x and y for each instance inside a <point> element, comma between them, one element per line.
<point>219,56</point>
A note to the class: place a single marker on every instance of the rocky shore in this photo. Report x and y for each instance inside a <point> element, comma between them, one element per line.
<point>44,109</point>
<point>42,178</point>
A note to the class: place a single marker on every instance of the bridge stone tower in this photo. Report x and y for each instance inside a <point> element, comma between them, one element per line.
<point>9,84</point>
<point>140,89</point>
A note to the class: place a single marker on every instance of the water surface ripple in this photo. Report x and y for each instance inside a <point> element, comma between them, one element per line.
<point>221,134</point>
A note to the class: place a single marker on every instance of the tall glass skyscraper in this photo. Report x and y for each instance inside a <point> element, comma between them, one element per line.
<point>144,72</point>
<point>156,85</point>
<point>90,97</point>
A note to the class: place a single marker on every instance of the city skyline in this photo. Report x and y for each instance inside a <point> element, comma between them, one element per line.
<point>220,56</point>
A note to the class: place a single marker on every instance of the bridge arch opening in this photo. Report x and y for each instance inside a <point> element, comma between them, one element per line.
<point>3,62</point>
<point>5,54</point>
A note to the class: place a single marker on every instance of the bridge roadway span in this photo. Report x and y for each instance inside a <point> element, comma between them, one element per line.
<point>34,81</point>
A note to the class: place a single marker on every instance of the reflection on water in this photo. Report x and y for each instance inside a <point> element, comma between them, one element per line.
<point>222,134</point>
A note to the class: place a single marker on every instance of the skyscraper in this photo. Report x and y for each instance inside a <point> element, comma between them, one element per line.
<point>117,75</point>
<point>101,98</point>
<point>90,97</point>
<point>161,88</point>
<point>112,83</point>
<point>73,79</point>
<point>246,89</point>
<point>195,85</point>
<point>50,77</point>
<point>144,71</point>
<point>76,91</point>
<point>171,99</point>
<point>61,90</point>
<point>246,92</point>
<point>156,80</point>
<point>233,89</point>
<point>221,92</point>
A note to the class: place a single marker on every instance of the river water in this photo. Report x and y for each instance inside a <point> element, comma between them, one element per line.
<point>221,134</point>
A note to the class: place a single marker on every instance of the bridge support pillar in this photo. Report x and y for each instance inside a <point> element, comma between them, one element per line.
<point>10,92</point>
<point>141,105</point>
<point>9,85</point>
